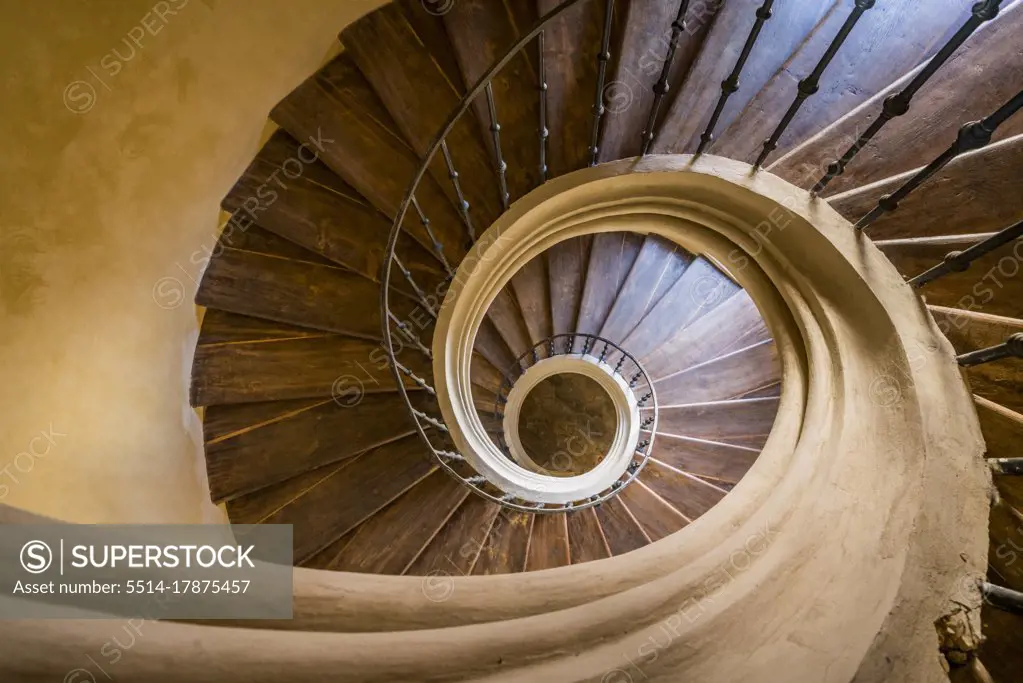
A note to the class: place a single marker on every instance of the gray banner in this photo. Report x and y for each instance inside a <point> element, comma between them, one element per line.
<point>75,571</point>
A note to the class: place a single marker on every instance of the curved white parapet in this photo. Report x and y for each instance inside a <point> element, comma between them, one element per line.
<point>566,489</point>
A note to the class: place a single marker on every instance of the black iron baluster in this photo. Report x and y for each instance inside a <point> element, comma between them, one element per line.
<point>429,420</point>
<point>495,130</point>
<point>974,135</point>
<point>1004,599</point>
<point>1012,347</point>
<point>898,104</point>
<point>958,261</point>
<point>462,204</point>
<point>731,84</point>
<point>437,246</point>
<point>811,84</point>
<point>661,87</point>
<point>544,133</point>
<point>420,294</point>
<point>419,381</point>
<point>618,367</point>
<point>1010,466</point>
<point>602,59</point>
<point>410,335</point>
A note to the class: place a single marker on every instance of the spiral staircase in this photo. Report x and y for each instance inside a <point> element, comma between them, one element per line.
<point>646,324</point>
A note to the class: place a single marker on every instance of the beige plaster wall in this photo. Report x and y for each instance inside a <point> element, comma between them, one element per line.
<point>123,123</point>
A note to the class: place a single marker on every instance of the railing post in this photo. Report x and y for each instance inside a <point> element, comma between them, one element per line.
<point>661,87</point>
<point>602,59</point>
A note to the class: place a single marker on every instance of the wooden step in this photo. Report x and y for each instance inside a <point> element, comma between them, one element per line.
<point>258,506</point>
<point>353,494</point>
<point>771,390</point>
<point>722,378</point>
<point>419,97</point>
<point>305,202</point>
<point>1000,381</point>
<point>358,139</point>
<point>645,43</point>
<point>508,320</point>
<point>567,263</point>
<point>389,541</point>
<point>314,367</point>
<point>454,549</point>
<point>530,286</point>
<point>571,44</point>
<point>699,291</point>
<point>548,543</point>
<point>507,545</point>
<point>585,537</point>
<point>1003,432</point>
<point>888,41</point>
<point>720,331</point>
<point>689,495</point>
<point>1003,642</point>
<point>991,284</point>
<point>480,35</point>
<point>1004,554</point>
<point>725,421</point>
<point>691,110</point>
<point>428,23</point>
<point>620,528</point>
<point>658,266</point>
<point>657,518</point>
<point>974,194</point>
<point>989,58</point>
<point>218,327</point>
<point>611,257</point>
<point>714,460</point>
<point>250,446</point>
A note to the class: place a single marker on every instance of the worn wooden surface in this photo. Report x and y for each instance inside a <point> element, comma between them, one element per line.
<point>567,262</point>
<point>218,327</point>
<point>982,74</point>
<point>707,459</point>
<point>548,545</point>
<point>1004,560</point>
<point>621,530</point>
<point>454,549</point>
<point>722,378</point>
<point>586,538</point>
<point>611,257</point>
<point>727,421</point>
<point>530,287</point>
<point>689,495</point>
<point>656,517</point>
<point>505,549</point>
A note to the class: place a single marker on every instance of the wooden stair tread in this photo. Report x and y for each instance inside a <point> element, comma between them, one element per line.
<point>611,257</point>
<point>691,110</point>
<point>1006,533</point>
<point>891,38</point>
<point>1000,381</point>
<point>454,549</point>
<point>258,506</point>
<point>689,495</point>
<point>548,543</point>
<point>620,528</point>
<point>389,541</point>
<point>585,537</point>
<point>974,194</point>
<point>990,56</point>
<point>978,286</point>
<point>655,516</point>
<point>530,286</point>
<point>658,266</point>
<point>724,421</point>
<point>722,378</point>
<point>221,327</point>
<point>567,262</point>
<point>345,499</point>
<point>509,322</point>
<point>703,458</point>
<point>1002,429</point>
<point>431,30</point>
<point>507,544</point>
<point>699,291</point>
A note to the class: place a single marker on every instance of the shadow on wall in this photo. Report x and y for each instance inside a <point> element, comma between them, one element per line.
<point>124,123</point>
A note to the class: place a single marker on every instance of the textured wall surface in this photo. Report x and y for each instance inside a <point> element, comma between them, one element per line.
<point>123,124</point>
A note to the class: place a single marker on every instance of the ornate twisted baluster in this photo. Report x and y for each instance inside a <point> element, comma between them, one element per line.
<point>495,130</point>
<point>420,294</point>
<point>661,87</point>
<point>463,205</point>
<point>438,248</point>
<point>731,84</point>
<point>475,479</point>
<point>618,367</point>
<point>635,380</point>
<point>898,104</point>
<point>449,455</point>
<point>1011,348</point>
<point>410,335</point>
<point>429,420</point>
<point>645,398</point>
<point>544,133</point>
<point>602,59</point>
<point>809,85</point>
<point>959,261</point>
<point>647,423</point>
<point>972,136</point>
<point>415,378</point>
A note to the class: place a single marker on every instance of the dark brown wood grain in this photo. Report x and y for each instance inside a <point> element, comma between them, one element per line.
<point>657,518</point>
<point>492,347</point>
<point>992,285</point>
<point>1003,643</point>
<point>658,266</point>
<point>454,549</point>
<point>508,320</point>
<point>1005,559</point>
<point>726,421</point>
<point>708,459</point>
<point>691,110</point>
<point>621,530</point>
<point>218,327</point>
<point>611,257</point>
<point>389,541</point>
<point>429,27</point>
<point>567,263</point>
<point>976,193</point>
<point>326,557</point>
<point>991,57</point>
<point>354,493</point>
<point>585,537</point>
<point>507,544</point>
<point>530,287</point>
<point>256,507</point>
<point>722,378</point>
<point>888,41</point>
<point>548,544</point>
<point>689,495</point>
